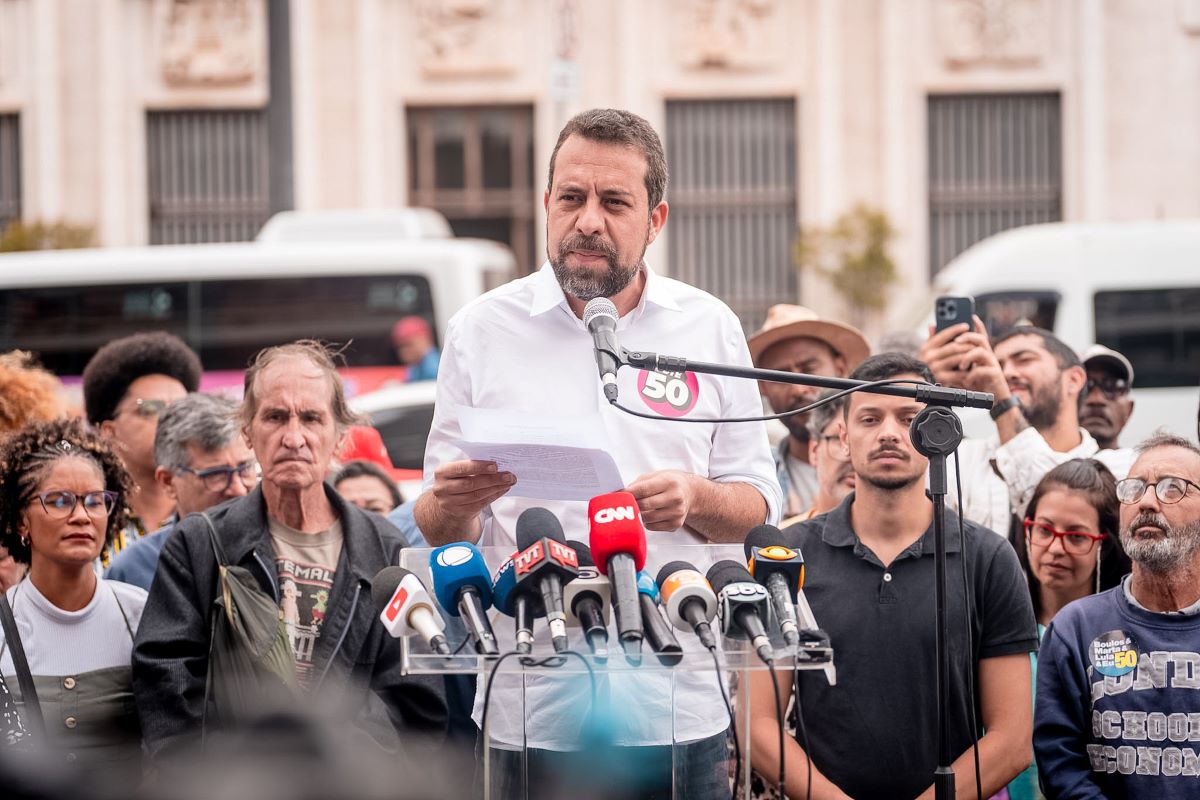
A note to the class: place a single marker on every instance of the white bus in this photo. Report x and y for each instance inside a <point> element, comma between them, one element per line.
<point>1134,287</point>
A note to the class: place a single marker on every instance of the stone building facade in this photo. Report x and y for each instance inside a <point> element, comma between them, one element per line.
<point>157,121</point>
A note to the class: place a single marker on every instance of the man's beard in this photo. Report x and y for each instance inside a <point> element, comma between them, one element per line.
<point>1044,404</point>
<point>891,483</point>
<point>587,285</point>
<point>1164,553</point>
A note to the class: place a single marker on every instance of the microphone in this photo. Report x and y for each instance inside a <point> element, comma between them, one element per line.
<point>512,603</point>
<point>586,599</point>
<point>406,607</point>
<point>658,632</point>
<point>463,588</point>
<point>689,600</point>
<point>600,317</point>
<point>742,607</point>
<point>547,562</point>
<point>781,569</point>
<point>619,546</point>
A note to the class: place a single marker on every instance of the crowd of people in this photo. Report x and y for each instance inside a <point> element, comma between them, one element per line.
<point>179,567</point>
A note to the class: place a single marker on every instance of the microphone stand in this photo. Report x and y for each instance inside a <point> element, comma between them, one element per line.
<point>936,433</point>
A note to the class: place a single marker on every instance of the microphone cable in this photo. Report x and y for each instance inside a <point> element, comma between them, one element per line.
<point>767,417</point>
<point>779,718</point>
<point>737,748</point>
<point>962,547</point>
<point>802,729</point>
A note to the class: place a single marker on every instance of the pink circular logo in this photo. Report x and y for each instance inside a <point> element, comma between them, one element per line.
<point>668,393</point>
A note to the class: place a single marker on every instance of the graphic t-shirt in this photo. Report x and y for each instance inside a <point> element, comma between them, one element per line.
<point>305,564</point>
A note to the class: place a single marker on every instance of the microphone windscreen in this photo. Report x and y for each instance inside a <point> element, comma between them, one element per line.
<point>670,569</point>
<point>384,584</point>
<point>583,553</point>
<point>764,536</point>
<point>534,523</point>
<point>598,306</point>
<point>454,566</point>
<point>723,573</point>
<point>504,588</point>
<point>616,527</point>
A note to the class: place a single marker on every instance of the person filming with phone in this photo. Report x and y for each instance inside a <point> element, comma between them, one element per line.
<point>1037,381</point>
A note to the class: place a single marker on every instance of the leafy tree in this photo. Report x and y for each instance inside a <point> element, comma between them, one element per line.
<point>21,236</point>
<point>852,254</point>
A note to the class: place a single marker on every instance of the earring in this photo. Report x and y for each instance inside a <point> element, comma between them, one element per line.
<point>25,541</point>
<point>1099,553</point>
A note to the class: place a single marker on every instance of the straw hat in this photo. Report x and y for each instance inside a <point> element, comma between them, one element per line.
<point>790,322</point>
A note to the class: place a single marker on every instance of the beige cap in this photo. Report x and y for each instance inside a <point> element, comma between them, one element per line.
<point>1099,352</point>
<point>786,321</point>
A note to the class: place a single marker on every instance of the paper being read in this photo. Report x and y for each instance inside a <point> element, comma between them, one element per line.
<point>554,458</point>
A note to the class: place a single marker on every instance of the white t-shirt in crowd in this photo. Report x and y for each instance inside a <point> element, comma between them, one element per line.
<point>521,348</point>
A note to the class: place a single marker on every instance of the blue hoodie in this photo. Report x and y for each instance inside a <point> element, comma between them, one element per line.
<point>1118,702</point>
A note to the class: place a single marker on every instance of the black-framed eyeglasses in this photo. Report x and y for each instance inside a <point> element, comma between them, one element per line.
<point>218,479</point>
<point>60,503</point>
<point>147,409</point>
<point>1168,489</point>
<point>1112,388</point>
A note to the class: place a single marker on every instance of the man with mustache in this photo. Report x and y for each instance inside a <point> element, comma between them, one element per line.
<point>1106,401</point>
<point>1038,382</point>
<point>523,348</point>
<point>829,459</point>
<point>1118,691</point>
<point>869,567</point>
<point>796,339</point>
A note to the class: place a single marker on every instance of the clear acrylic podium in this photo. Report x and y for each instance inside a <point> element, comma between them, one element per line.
<point>579,702</point>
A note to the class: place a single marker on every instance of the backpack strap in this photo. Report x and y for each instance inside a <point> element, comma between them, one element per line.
<point>219,555</point>
<point>29,697</point>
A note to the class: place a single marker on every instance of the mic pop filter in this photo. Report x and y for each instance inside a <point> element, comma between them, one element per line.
<point>616,527</point>
<point>384,585</point>
<point>457,565</point>
<point>723,573</point>
<point>764,536</point>
<point>504,588</point>
<point>536,523</point>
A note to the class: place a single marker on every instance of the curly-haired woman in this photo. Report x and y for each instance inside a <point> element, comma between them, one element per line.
<point>61,500</point>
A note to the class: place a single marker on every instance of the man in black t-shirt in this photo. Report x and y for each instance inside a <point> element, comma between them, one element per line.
<point>869,568</point>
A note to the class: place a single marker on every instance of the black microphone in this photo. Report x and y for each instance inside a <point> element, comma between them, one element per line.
<point>547,562</point>
<point>779,567</point>
<point>586,599</point>
<point>688,599</point>
<point>658,633</point>
<point>743,606</point>
<point>600,317</point>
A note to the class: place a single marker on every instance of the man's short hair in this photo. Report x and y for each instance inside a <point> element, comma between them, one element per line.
<point>207,421</point>
<point>322,356</point>
<point>1164,439</point>
<point>1065,356</point>
<point>614,126</point>
<point>107,376</point>
<point>820,417</point>
<point>890,365</point>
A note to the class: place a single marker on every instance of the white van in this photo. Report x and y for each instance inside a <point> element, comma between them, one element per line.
<point>341,276</point>
<point>1134,287</point>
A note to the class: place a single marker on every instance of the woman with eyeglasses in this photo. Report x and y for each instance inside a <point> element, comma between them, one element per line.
<point>60,502</point>
<point>1070,549</point>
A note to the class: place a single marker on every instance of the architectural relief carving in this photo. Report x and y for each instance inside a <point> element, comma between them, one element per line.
<point>995,33</point>
<point>728,34</point>
<point>457,38</point>
<point>211,43</point>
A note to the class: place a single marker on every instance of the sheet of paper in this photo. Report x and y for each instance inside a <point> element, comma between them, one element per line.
<point>554,458</point>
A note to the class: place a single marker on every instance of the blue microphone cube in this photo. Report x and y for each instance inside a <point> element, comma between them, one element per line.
<point>454,566</point>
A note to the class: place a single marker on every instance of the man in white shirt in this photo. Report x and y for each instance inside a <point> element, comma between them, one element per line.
<point>523,347</point>
<point>1037,381</point>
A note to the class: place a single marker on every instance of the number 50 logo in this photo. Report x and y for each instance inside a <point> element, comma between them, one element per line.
<point>669,394</point>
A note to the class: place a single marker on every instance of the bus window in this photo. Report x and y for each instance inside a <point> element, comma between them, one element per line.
<point>1158,330</point>
<point>239,317</point>
<point>65,325</point>
<point>1001,311</point>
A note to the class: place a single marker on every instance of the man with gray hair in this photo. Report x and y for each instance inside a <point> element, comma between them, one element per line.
<point>202,461</point>
<point>308,549</point>
<point>1118,706</point>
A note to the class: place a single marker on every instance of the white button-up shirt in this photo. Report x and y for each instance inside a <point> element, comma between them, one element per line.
<point>521,348</point>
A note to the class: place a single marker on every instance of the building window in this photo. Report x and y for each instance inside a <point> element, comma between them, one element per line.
<point>733,201</point>
<point>10,169</point>
<point>208,175</point>
<point>1157,329</point>
<point>474,164</point>
<point>995,162</point>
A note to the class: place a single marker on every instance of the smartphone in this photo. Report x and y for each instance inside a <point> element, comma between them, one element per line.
<point>950,311</point>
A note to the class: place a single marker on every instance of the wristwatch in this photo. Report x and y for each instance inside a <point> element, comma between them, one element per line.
<point>1004,405</point>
